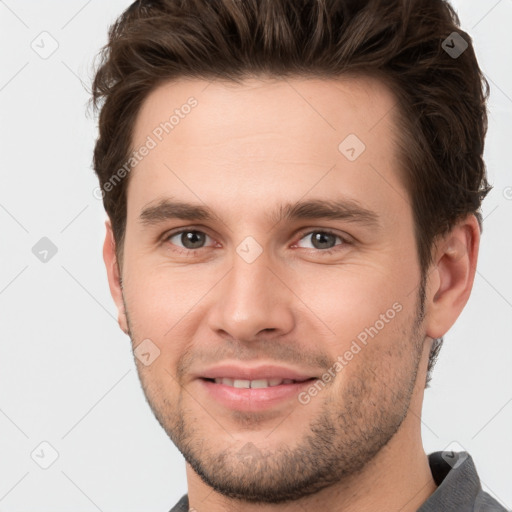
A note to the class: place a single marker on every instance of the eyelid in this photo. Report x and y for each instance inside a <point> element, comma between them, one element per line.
<point>178,231</point>
<point>308,231</point>
<point>345,238</point>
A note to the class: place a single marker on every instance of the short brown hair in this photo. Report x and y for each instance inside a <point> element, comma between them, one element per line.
<point>441,96</point>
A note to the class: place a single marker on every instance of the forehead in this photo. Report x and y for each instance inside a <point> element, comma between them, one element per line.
<point>233,143</point>
<point>225,108</point>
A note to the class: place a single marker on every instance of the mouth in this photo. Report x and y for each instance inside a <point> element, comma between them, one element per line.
<point>256,383</point>
<point>253,389</point>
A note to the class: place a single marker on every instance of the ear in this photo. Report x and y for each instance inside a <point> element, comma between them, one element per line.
<point>451,279</point>
<point>114,276</point>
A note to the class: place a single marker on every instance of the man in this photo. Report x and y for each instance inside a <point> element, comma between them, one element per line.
<point>293,191</point>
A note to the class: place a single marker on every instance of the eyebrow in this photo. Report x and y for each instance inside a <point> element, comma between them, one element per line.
<point>340,209</point>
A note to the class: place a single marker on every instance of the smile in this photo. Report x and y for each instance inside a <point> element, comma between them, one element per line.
<point>257,383</point>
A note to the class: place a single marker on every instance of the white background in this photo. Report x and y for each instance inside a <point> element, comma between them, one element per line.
<point>67,374</point>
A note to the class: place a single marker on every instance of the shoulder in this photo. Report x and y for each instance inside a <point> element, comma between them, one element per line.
<point>182,505</point>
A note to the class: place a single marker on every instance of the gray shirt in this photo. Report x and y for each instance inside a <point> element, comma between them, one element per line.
<point>459,488</point>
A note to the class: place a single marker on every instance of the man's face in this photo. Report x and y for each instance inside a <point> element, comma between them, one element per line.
<point>247,296</point>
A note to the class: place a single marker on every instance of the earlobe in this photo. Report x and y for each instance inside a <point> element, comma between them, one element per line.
<point>114,276</point>
<point>450,283</point>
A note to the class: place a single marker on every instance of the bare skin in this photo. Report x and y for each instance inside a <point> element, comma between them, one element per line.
<point>244,150</point>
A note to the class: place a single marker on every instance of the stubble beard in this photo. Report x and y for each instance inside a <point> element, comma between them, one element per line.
<point>338,442</point>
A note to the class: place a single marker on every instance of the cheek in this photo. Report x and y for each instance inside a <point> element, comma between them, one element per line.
<point>357,301</point>
<point>158,298</point>
<point>162,305</point>
<point>378,357</point>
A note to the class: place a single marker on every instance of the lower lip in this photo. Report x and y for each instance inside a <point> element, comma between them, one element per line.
<point>254,399</point>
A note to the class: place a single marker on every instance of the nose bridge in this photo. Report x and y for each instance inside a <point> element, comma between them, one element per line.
<point>252,298</point>
<point>250,280</point>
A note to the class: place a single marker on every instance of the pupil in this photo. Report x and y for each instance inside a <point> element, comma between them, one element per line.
<point>319,239</point>
<point>192,239</point>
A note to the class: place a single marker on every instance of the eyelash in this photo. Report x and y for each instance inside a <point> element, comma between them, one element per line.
<point>193,252</point>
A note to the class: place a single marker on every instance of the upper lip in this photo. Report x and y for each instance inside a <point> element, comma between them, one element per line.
<point>232,371</point>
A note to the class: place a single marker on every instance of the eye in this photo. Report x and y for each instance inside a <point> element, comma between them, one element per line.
<point>188,241</point>
<point>191,240</point>
<point>324,240</point>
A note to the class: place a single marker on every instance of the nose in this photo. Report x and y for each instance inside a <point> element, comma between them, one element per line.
<point>253,301</point>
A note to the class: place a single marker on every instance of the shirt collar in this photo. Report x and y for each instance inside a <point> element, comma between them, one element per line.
<point>458,484</point>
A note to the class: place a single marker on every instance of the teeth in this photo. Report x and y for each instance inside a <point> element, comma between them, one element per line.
<point>228,382</point>
<point>258,383</point>
<point>239,383</point>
